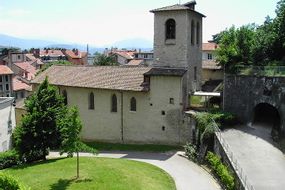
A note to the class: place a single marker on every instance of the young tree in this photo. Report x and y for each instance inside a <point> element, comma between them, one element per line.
<point>104,60</point>
<point>38,132</point>
<point>70,126</point>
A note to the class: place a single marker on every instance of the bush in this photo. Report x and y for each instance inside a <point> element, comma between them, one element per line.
<point>191,151</point>
<point>221,170</point>
<point>9,158</point>
<point>7,182</point>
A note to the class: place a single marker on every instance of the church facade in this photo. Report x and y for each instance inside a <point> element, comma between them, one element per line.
<point>146,105</point>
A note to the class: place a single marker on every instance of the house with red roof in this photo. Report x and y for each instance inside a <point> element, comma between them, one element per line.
<point>6,74</point>
<point>76,57</point>
<point>212,72</point>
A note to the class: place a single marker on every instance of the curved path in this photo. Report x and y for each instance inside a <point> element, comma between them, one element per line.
<point>186,174</point>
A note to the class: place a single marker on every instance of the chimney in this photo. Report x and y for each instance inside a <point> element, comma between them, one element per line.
<point>191,4</point>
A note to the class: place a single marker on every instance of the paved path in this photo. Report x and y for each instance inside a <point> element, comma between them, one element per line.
<point>255,152</point>
<point>186,174</point>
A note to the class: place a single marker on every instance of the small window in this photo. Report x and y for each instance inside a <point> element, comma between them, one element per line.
<point>22,94</point>
<point>91,101</point>
<point>1,87</point>
<point>171,100</point>
<point>6,78</point>
<point>133,104</point>
<point>192,32</point>
<point>210,56</point>
<point>0,78</point>
<point>162,112</point>
<point>195,73</point>
<point>170,29</point>
<point>19,57</point>
<point>163,128</point>
<point>114,103</point>
<point>198,33</point>
<point>64,93</point>
<point>7,87</point>
<point>16,95</point>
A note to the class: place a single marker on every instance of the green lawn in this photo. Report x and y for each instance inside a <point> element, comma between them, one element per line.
<point>95,173</point>
<point>132,147</point>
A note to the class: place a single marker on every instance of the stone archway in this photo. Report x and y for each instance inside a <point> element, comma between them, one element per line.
<point>268,116</point>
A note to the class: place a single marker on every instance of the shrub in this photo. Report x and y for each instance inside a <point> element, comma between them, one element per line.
<point>221,170</point>
<point>7,182</point>
<point>191,151</point>
<point>9,158</point>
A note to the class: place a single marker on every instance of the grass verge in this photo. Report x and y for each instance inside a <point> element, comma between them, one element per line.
<point>95,173</point>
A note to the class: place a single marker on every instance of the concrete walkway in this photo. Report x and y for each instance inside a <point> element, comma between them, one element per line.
<point>186,174</point>
<point>260,160</point>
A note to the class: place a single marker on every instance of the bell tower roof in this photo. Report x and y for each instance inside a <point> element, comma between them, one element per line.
<point>187,6</point>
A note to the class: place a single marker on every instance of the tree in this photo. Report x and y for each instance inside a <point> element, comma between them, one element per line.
<point>38,132</point>
<point>104,60</point>
<point>70,126</point>
<point>235,46</point>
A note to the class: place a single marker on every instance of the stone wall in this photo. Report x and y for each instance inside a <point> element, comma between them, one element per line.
<point>156,120</point>
<point>243,93</point>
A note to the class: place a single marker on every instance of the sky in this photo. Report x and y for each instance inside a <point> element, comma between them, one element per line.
<point>103,22</point>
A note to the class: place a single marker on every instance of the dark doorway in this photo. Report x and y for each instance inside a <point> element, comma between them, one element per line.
<point>268,116</point>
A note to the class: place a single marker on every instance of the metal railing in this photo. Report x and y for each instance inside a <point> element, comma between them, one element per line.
<point>238,169</point>
<point>274,71</point>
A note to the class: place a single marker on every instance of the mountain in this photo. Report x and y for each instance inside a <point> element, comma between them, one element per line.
<point>9,41</point>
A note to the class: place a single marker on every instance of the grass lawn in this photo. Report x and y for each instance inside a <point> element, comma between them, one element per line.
<point>132,147</point>
<point>95,173</point>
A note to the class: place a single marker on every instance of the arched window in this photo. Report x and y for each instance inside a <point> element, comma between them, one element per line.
<point>64,93</point>
<point>133,104</point>
<point>170,29</point>
<point>91,101</point>
<point>198,33</point>
<point>192,32</point>
<point>114,103</point>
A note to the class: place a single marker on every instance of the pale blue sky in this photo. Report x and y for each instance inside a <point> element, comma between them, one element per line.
<point>101,22</point>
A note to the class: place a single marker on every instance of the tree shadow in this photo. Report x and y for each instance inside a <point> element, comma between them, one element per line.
<point>63,184</point>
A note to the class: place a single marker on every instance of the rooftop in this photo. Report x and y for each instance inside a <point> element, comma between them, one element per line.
<point>75,54</point>
<point>187,6</point>
<point>5,70</point>
<point>126,78</point>
<point>51,52</point>
<point>20,85</point>
<point>210,46</point>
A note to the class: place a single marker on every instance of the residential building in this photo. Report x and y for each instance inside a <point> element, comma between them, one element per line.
<point>6,74</point>
<point>145,56</point>
<point>7,122</point>
<point>212,72</point>
<point>76,57</point>
<point>123,57</point>
<point>49,55</point>
<point>21,89</point>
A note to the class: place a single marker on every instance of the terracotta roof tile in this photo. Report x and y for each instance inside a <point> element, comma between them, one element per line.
<point>126,54</point>
<point>98,77</point>
<point>28,67</point>
<point>209,46</point>
<point>135,62</point>
<point>52,53</point>
<point>73,55</point>
<point>19,85</point>
<point>5,70</point>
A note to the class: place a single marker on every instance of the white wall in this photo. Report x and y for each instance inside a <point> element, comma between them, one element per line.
<point>7,115</point>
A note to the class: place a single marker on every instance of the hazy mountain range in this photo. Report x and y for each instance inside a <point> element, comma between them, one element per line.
<point>10,41</point>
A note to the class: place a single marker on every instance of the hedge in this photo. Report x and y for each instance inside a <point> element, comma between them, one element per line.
<point>221,170</point>
<point>9,158</point>
<point>7,182</point>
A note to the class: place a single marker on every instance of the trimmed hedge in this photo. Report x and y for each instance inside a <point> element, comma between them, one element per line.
<point>7,182</point>
<point>221,170</point>
<point>9,158</point>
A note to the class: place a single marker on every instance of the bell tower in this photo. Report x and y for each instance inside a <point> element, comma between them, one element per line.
<point>178,41</point>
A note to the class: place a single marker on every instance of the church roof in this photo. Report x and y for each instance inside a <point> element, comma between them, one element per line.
<point>187,6</point>
<point>103,77</point>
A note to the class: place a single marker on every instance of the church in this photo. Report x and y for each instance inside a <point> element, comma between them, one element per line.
<point>136,104</point>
